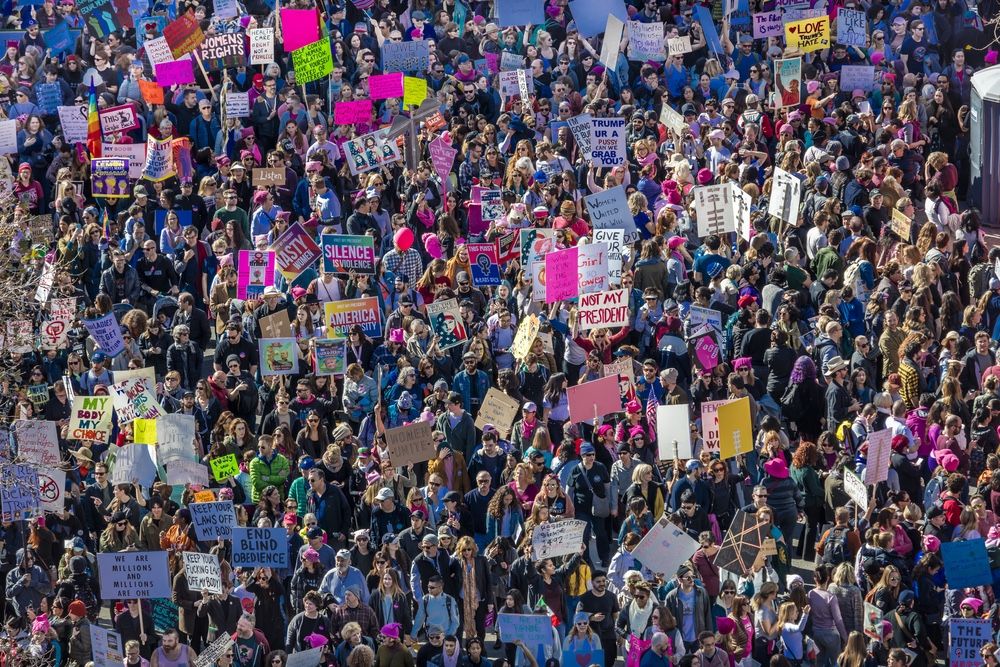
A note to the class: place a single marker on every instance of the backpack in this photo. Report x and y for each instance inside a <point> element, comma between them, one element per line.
<point>835,549</point>
<point>852,276</point>
<point>979,280</point>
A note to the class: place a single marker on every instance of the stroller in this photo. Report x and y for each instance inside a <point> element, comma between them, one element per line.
<point>164,310</point>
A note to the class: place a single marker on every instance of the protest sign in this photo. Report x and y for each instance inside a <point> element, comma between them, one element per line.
<point>202,571</point>
<point>314,61</point>
<point>279,356</point>
<point>873,621</point>
<point>442,157</point>
<point>527,332</point>
<point>118,119</point>
<point>49,97</point>
<point>768,24</point>
<point>330,356</point>
<point>109,178</point>
<point>213,520</point>
<point>538,281</point>
<point>134,153</point>
<point>645,41</point>
<point>580,127</point>
<point>343,253</point>
<point>508,247</point>
<point>183,472</point>
<point>614,30</point>
<point>498,409</point>
<point>224,467</point>
<point>255,272</point>
<point>603,309</point>
<point>857,77</point>
<point>901,225</point>
<point>132,463</point>
<point>8,137</point>
<point>184,34</point>
<point>385,86</point>
<point>210,655</point>
<point>38,394</point>
<point>966,563</point>
<point>19,492</point>
<point>592,264</point>
<point>735,428</point>
<point>133,399</point>
<point>483,263</point>
<point>446,323</point>
<point>226,9</point>
<point>266,177</point>
<point>697,316</point>
<point>511,61</point>
<point>788,81</point>
<point>879,451</point>
<point>107,646</point>
<point>175,438</point>
<point>225,49</point>
<point>519,13</point>
<point>786,192</point>
<point>107,334</point>
<point>144,432</point>
<point>294,251</point>
<point>742,544</point>
<point>510,83</point>
<point>352,113</point>
<point>371,151</point>
<point>609,210</point>
<point>410,444</point>
<point>261,45</point>
<point>408,57</point>
<point>665,547</point>
<point>742,203</point>
<point>714,209</point>
<point>535,244</point>
<point>492,203</point>
<point>679,46</point>
<point>164,613</point>
<point>20,336</point>
<point>414,90</point>
<point>594,398</point>
<point>276,325</point>
<point>133,575</point>
<point>607,141</point>
<point>174,73</point>
<point>673,120</point>
<point>591,17</point>
<point>158,51</point>
<point>852,28</point>
<point>710,424</point>
<point>74,123</point>
<point>51,489</point>
<point>967,636</point>
<point>856,490</point>
<point>526,628</point>
<point>260,547</point>
<point>673,433</point>
<point>562,538</point>
<point>299,27</point>
<point>561,278</point>
<point>152,92</point>
<point>308,658</point>
<point>45,280</point>
<point>159,159</point>
<point>342,315</point>
<point>806,35</point>
<point>614,240</point>
<point>90,418</point>
<point>238,106</point>
<point>37,441</point>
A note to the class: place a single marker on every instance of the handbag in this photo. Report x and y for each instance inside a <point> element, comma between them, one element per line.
<point>600,507</point>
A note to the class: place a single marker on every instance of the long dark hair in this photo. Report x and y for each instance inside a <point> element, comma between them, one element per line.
<point>554,388</point>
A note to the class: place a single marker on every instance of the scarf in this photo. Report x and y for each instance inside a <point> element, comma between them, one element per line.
<point>471,601</point>
<point>639,617</point>
<point>527,428</point>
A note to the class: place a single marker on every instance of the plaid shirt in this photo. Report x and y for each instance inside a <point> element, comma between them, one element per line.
<point>363,615</point>
<point>407,263</point>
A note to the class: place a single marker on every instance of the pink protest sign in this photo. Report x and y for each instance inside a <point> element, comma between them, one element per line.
<point>352,113</point>
<point>706,351</point>
<point>177,72</point>
<point>600,397</point>
<point>255,271</point>
<point>300,27</point>
<point>384,86</point>
<point>561,275</point>
<point>442,157</point>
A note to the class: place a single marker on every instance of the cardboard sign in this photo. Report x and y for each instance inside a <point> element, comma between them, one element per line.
<point>901,225</point>
<point>560,275</point>
<point>788,81</point>
<point>446,323</point>
<point>118,119</point>
<point>37,441</point>
<point>294,251</point>
<point>645,41</point>
<point>276,325</point>
<point>213,519</point>
<point>159,159</point>
<point>735,428</point>
<point>210,654</point>
<point>255,271</point>
<point>614,240</point>
<point>614,30</point>
<point>665,547</point>
<point>132,463</point>
<point>527,332</point>
<point>806,35</point>
<point>410,444</point>
<point>967,636</point>
<point>90,418</point>
<point>498,409</point>
<point>714,207</point>
<point>224,467</point>
<point>174,73</point>
<point>175,438</point>
<point>261,46</point>
<point>580,127</point>
<point>340,316</point>
<point>562,538</point>
<point>133,575</point>
<point>607,141</point>
<point>595,398</point>
<point>603,309</point>
<point>266,177</point>
<point>260,547</point>
<point>343,253</point>
<point>673,432</point>
<point>710,424</point>
<point>202,571</point>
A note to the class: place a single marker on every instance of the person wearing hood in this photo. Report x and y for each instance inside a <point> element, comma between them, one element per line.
<point>783,496</point>
<point>27,583</point>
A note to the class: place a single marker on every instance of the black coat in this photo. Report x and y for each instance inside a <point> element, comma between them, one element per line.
<point>186,360</point>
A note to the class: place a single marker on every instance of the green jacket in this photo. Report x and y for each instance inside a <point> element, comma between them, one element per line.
<point>264,473</point>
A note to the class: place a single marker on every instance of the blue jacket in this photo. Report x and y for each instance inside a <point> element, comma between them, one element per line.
<point>203,133</point>
<point>463,384</point>
<point>300,201</point>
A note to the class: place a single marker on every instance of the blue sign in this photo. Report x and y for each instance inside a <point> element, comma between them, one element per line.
<point>703,16</point>
<point>592,18</point>
<point>966,563</point>
<point>520,12</point>
<point>260,547</point>
<point>49,97</point>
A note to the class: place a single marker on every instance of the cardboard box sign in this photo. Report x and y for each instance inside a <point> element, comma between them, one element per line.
<point>268,177</point>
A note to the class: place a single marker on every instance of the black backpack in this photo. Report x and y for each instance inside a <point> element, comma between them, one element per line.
<point>835,550</point>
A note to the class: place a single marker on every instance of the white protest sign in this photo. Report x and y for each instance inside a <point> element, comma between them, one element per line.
<point>213,520</point>
<point>611,46</point>
<point>8,137</point>
<point>714,208</point>
<point>742,201</point>
<point>665,547</point>
<point>237,105</point>
<point>852,28</point>
<point>592,261</point>
<point>37,442</point>
<point>856,490</point>
<point>135,153</point>
<point>211,653</point>
<point>673,433</point>
<point>607,141</point>
<point>645,41</point>
<point>609,209</point>
<point>580,127</point>
<point>74,123</point>
<point>710,425</point>
<point>133,574</point>
<point>158,51</point>
<point>107,646</point>
<point>203,571</point>
<point>603,309</point>
<point>879,450</point>
<point>51,490</point>
<point>614,239</point>
<point>175,435</point>
<point>786,191</point>
<point>133,399</point>
<point>678,46</point>
<point>133,463</point>
<point>557,539</point>
<point>698,315</point>
<point>183,472</point>
<point>261,46</point>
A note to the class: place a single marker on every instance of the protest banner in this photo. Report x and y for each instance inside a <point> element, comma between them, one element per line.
<point>260,547</point>
<point>224,467</point>
<point>330,356</point>
<point>857,77</point>
<point>414,90</point>
<point>966,563</point>
<point>408,57</point>
<point>238,106</point>
<point>19,492</point>
<point>527,332</point>
<point>109,178</point>
<point>299,27</point>
<point>107,646</point>
<point>614,240</point>
<point>343,253</point>
<point>118,119</point>
<point>673,433</point>
<point>852,28</point>
<point>665,547</point>
<point>714,209</point>
<point>313,61</point>
<point>607,141</point>
<point>133,399</point>
<point>786,192</point>
<point>562,538</point>
<point>174,73</point>
<point>224,49</point>
<point>873,621</point>
<point>202,571</point>
<point>133,575</point>
<point>255,271</point>
<point>498,409</point>
<point>519,13</point>
<point>645,41</point>
<point>966,637</point>
<point>51,489</point>
<point>184,34</point>
<point>385,86</point>
<point>483,263</point>
<point>410,444</point>
<point>37,441</point>
<point>134,153</point>
<point>580,127</point>
<point>788,81</point>
<point>90,418</point>
<point>446,323</point>
<point>73,120</point>
<point>879,451</point>
<point>603,309</point>
<point>614,30</point>
<point>261,45</point>
<point>183,472</point>
<point>710,425</point>
<point>806,35</point>
<point>526,628</point>
<point>152,92</point>
<point>856,490</point>
<point>735,428</point>
<point>768,24</point>
<point>352,113</point>
<point>342,315</point>
<point>561,278</point>
<point>294,251</point>
<point>594,398</point>
<point>592,264</point>
<point>159,159</point>
<point>279,356</point>
<point>107,334</point>
<point>266,177</point>
<point>213,520</point>
<point>609,210</point>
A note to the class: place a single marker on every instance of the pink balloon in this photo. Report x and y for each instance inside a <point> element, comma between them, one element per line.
<point>403,238</point>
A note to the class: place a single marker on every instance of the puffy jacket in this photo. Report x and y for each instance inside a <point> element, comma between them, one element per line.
<point>264,473</point>
<point>783,496</point>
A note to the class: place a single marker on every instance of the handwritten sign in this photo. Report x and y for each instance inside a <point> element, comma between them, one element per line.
<point>133,575</point>
<point>238,106</point>
<point>562,538</point>
<point>607,141</point>
<point>856,489</point>
<point>603,309</point>
<point>133,399</point>
<point>74,123</point>
<point>768,24</point>
<point>811,34</point>
<point>37,441</point>
<point>498,409</point>
<point>525,627</point>
<point>665,547</point>
<point>410,444</point>
<point>90,418</point>
<point>879,451</point>
<point>19,492</point>
<point>202,571</point>
<point>224,49</point>
<point>224,467</point>
<point>261,46</point>
<point>852,28</point>
<point>678,46</point>
<point>213,519</point>
<point>966,563</point>
<point>314,61</point>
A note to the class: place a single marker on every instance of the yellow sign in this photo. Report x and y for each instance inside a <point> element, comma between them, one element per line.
<point>144,431</point>
<point>901,225</point>
<point>735,428</point>
<point>527,332</point>
<point>414,90</point>
<point>808,34</point>
<point>205,496</point>
<point>224,467</point>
